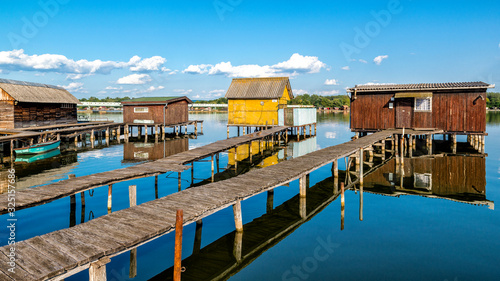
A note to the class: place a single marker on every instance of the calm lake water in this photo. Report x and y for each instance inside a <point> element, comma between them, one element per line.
<point>442,225</point>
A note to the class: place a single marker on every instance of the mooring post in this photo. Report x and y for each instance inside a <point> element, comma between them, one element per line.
<point>302,186</point>
<point>179,220</point>
<point>110,192</point>
<point>361,156</point>
<point>201,123</point>
<point>342,206</point>
<point>227,131</point>
<point>97,270</point>
<point>238,219</point>
<point>235,159</point>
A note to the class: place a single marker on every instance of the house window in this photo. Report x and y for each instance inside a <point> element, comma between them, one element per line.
<point>141,109</point>
<point>391,105</point>
<point>423,104</point>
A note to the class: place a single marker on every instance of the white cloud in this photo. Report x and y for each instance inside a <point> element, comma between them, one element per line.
<point>375,83</point>
<point>134,79</point>
<point>346,67</point>
<point>297,64</point>
<point>145,65</point>
<point>17,60</point>
<point>331,82</point>
<point>182,92</point>
<point>363,61</point>
<point>113,88</point>
<point>197,69</point>
<point>298,92</point>
<point>74,87</point>
<point>378,60</point>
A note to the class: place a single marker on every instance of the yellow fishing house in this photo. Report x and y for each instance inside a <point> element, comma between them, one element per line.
<point>255,102</point>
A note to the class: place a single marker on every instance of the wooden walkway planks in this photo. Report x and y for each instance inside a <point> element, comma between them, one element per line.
<point>175,163</point>
<point>112,234</point>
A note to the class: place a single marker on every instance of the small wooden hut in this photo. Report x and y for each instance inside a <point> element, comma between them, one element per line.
<point>255,101</point>
<point>156,110</point>
<point>25,104</point>
<point>456,108</point>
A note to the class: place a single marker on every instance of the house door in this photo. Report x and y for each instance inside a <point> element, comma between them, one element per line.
<point>404,113</point>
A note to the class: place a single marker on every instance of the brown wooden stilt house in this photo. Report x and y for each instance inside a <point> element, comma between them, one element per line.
<point>455,108</point>
<point>156,110</point>
<point>25,104</point>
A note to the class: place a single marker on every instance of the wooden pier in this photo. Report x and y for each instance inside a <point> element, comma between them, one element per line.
<point>175,163</point>
<point>63,253</point>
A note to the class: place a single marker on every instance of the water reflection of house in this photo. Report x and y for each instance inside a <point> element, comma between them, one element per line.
<point>457,178</point>
<point>40,172</point>
<point>140,151</point>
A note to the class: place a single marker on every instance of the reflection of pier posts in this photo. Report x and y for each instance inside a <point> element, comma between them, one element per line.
<point>132,272</point>
<point>303,185</point>
<point>197,237</point>
<point>235,160</point>
<point>250,151</point>
<point>238,245</point>
<point>228,131</point>
<point>192,173</point>
<point>217,161</point>
<point>342,206</point>
<point>270,201</point>
<point>335,171</point>
<point>303,207</point>
<point>454,143</point>
<point>72,206</point>
<point>179,181</point>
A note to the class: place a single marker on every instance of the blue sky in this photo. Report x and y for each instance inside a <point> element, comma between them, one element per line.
<point>195,48</point>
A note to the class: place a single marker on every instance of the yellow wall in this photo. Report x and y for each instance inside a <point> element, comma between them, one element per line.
<point>254,111</point>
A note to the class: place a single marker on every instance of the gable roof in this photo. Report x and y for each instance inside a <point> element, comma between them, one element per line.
<point>157,100</point>
<point>35,92</point>
<point>419,87</point>
<point>259,88</point>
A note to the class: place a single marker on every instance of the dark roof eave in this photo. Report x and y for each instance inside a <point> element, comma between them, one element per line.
<point>404,88</point>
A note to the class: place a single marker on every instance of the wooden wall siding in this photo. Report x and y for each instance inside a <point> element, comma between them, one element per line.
<point>456,112</point>
<point>451,175</point>
<point>154,151</point>
<point>41,114</point>
<point>176,113</point>
<point>372,112</point>
<point>7,114</point>
<point>422,120</point>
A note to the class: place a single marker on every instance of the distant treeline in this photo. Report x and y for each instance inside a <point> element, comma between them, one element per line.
<point>217,101</point>
<point>493,100</point>
<point>321,101</point>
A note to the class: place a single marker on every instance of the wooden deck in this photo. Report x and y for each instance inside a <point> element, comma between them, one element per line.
<point>40,195</point>
<point>65,252</point>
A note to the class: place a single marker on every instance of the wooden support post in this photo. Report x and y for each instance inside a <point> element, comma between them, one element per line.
<point>197,237</point>
<point>97,270</point>
<point>72,212</point>
<point>302,186</point>
<point>270,201</point>
<point>132,272</point>
<point>286,136</point>
<point>212,163</point>
<point>110,192</point>
<point>156,187</point>
<point>250,151</point>
<point>342,206</point>
<point>298,133</point>
<point>185,129</point>
<point>401,160</point>
<point>162,132</point>
<point>177,130</point>
<point>238,219</point>
<point>361,201</point>
<point>196,128</point>
<point>179,181</point>
<point>235,160</point>
<point>132,195</point>
<point>12,151</point>
<point>310,130</point>
<point>118,133</point>
<point>146,133</point>
<point>179,220</point>
<point>201,127</point>
<point>76,141</point>
<point>304,131</point>
<point>227,131</point>
<point>126,133</point>
<point>244,130</point>
<point>361,159</point>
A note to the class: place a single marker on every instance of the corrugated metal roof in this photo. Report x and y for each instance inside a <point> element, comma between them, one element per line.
<point>420,86</point>
<point>259,88</point>
<point>158,99</point>
<point>35,92</point>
